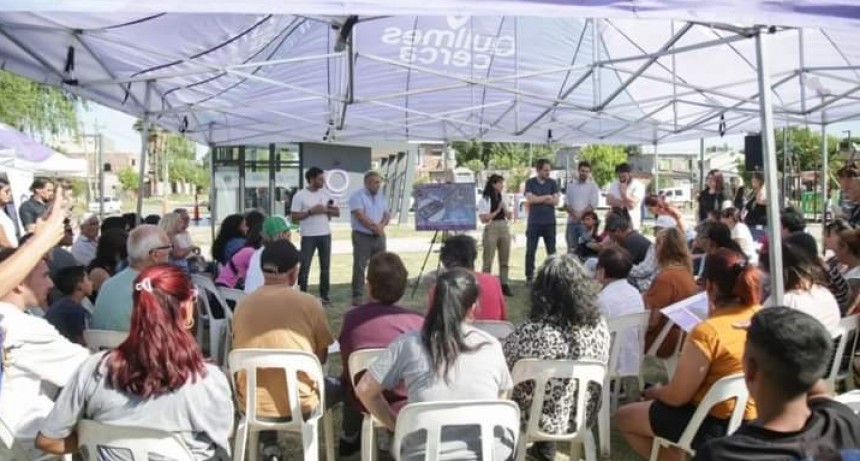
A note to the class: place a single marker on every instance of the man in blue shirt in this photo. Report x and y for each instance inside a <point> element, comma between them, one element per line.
<point>542,198</point>
<point>369,213</point>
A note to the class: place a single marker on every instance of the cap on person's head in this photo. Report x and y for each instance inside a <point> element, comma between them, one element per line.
<point>665,222</point>
<point>276,225</point>
<point>279,257</point>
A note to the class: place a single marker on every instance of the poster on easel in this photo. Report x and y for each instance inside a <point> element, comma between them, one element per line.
<point>445,207</point>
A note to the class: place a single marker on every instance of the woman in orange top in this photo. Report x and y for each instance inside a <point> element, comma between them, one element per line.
<point>713,350</point>
<point>674,282</point>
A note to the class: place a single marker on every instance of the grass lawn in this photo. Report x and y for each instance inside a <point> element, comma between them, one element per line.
<point>517,307</point>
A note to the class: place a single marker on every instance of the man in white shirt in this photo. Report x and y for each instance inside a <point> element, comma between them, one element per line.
<point>618,297</point>
<point>38,360</point>
<point>582,195</point>
<point>312,208</point>
<point>275,228</point>
<point>84,248</point>
<point>626,195</point>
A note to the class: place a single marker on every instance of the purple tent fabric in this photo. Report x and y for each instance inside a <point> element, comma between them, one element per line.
<point>26,148</point>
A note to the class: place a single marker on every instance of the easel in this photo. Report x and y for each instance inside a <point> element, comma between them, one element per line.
<point>427,258</point>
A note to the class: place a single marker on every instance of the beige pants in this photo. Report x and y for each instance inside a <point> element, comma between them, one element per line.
<point>497,236</point>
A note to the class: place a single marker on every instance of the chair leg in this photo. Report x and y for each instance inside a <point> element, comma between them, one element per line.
<point>603,420</point>
<point>328,433</point>
<point>588,446</point>
<point>655,449</point>
<point>522,444</point>
<point>241,442</point>
<point>368,448</point>
<point>576,450</point>
<point>254,445</point>
<point>310,441</point>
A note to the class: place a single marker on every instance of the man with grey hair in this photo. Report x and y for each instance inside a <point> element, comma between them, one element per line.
<point>147,246</point>
<point>368,208</point>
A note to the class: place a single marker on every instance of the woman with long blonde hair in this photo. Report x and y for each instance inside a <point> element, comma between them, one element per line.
<point>674,282</point>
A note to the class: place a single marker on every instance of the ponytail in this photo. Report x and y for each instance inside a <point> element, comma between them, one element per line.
<point>748,285</point>
<point>442,334</point>
<point>734,278</point>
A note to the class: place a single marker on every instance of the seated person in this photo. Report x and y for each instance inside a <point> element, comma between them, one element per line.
<point>741,234</point>
<point>713,350</point>
<point>447,360</point>
<point>564,324</point>
<point>277,316</point>
<point>157,378</point>
<point>782,363</point>
<point>147,246</point>
<point>462,251</point>
<point>67,315</point>
<point>275,227</point>
<point>836,282</point>
<point>38,361</point>
<point>370,326</point>
<point>618,297</point>
<point>589,243</point>
<point>234,273</point>
<point>640,249</point>
<point>674,282</point>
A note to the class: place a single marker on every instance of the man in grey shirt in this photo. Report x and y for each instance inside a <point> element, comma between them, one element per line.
<point>582,195</point>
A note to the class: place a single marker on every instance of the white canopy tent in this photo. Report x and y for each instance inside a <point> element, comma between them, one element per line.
<point>631,71</point>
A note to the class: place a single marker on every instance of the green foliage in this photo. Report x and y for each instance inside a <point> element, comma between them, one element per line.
<point>36,108</point>
<point>498,155</point>
<point>804,148</point>
<point>181,157</point>
<point>604,158</point>
<point>129,179</point>
<point>515,178</point>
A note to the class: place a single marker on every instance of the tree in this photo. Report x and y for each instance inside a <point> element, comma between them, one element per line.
<point>499,155</point>
<point>804,148</point>
<point>128,179</point>
<point>36,108</point>
<point>604,158</point>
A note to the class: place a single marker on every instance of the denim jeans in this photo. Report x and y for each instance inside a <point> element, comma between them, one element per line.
<point>575,231</point>
<point>533,233</point>
<point>309,246</point>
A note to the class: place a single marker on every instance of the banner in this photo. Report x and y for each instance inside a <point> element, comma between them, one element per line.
<point>445,207</point>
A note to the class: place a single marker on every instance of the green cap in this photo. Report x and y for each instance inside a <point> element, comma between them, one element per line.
<point>276,225</point>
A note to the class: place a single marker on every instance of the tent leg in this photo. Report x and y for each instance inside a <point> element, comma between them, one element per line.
<point>144,148</point>
<point>777,286</point>
<point>825,181</point>
<point>212,205</point>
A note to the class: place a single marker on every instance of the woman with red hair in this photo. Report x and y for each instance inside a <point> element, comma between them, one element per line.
<point>155,379</point>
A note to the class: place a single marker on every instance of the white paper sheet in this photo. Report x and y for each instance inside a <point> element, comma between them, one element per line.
<point>688,312</point>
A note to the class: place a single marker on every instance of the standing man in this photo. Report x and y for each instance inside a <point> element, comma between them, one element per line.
<point>37,206</point>
<point>625,195</point>
<point>312,208</point>
<point>369,216</point>
<point>581,196</point>
<point>84,248</point>
<point>542,198</point>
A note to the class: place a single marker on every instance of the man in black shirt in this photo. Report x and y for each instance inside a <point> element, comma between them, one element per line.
<point>619,228</point>
<point>37,206</point>
<point>784,359</point>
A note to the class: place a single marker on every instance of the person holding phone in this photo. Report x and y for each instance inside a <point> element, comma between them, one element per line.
<point>626,194</point>
<point>313,208</point>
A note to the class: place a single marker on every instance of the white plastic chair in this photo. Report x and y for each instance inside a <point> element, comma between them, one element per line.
<point>500,329</point>
<point>851,399</point>
<point>359,361</point>
<point>617,327</point>
<point>433,416</point>
<point>671,362</point>
<point>220,330</point>
<point>731,387</point>
<point>250,425</point>
<point>99,340</point>
<point>541,371</point>
<point>141,442</point>
<point>846,344</point>
<point>231,294</point>
<point>11,450</point>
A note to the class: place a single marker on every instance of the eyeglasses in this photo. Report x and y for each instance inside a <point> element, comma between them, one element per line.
<point>165,247</point>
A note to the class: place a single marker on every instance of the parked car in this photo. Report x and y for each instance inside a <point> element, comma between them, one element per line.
<point>677,195</point>
<point>112,205</point>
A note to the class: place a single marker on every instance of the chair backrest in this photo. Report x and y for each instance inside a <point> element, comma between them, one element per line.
<point>846,341</point>
<point>850,399</point>
<point>141,442</point>
<point>205,285</point>
<point>231,294</point>
<point>360,361</point>
<point>500,329</point>
<point>99,340</point>
<point>291,362</point>
<point>618,326</point>
<point>541,371</point>
<point>732,387</point>
<point>433,416</point>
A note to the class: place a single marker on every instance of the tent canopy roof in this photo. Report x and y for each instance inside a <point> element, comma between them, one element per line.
<point>240,77</point>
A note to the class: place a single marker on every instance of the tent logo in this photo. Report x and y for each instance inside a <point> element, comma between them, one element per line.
<point>456,46</point>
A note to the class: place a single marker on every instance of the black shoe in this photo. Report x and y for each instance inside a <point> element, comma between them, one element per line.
<point>325,302</point>
<point>506,290</point>
<point>542,451</point>
<point>346,448</point>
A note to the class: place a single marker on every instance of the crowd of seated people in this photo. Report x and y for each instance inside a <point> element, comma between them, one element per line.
<point>141,286</point>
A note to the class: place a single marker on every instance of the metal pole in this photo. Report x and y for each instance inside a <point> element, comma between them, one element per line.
<point>101,177</point>
<point>824,173</point>
<point>144,147</point>
<point>656,170</point>
<point>701,163</point>
<point>785,164</point>
<point>777,285</point>
<point>165,176</point>
<point>213,205</point>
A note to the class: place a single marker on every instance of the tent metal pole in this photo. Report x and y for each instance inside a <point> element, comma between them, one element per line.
<point>785,174</point>
<point>777,285</point>
<point>213,205</point>
<point>656,169</point>
<point>701,164</point>
<point>144,147</point>
<point>824,171</point>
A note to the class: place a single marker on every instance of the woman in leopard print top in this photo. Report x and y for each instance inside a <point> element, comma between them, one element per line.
<point>564,324</point>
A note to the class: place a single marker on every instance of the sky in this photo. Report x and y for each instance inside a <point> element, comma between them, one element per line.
<point>118,127</point>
